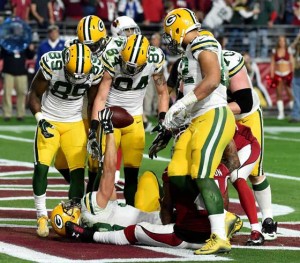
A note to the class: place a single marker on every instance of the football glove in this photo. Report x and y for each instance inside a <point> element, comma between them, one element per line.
<point>160,141</point>
<point>172,112</point>
<point>44,125</point>
<point>92,144</point>
<point>105,120</point>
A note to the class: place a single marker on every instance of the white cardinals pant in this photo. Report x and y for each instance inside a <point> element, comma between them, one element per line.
<point>144,234</point>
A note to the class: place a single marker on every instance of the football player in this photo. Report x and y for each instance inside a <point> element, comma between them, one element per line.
<point>199,150</point>
<point>124,26</point>
<point>126,77</point>
<point>100,209</point>
<point>55,99</point>
<point>245,104</point>
<point>91,31</point>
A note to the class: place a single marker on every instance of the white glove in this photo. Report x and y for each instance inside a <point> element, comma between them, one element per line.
<point>172,112</point>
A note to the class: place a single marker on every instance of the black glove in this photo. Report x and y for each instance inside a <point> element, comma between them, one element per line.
<point>160,141</point>
<point>105,120</point>
<point>43,124</point>
<point>92,145</point>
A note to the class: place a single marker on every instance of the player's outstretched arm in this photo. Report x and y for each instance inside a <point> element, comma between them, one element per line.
<point>106,185</point>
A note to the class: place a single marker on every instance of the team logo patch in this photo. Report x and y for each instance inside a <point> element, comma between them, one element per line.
<point>170,20</point>
<point>58,221</point>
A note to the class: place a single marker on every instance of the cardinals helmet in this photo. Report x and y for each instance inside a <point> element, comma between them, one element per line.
<point>124,26</point>
<point>63,212</point>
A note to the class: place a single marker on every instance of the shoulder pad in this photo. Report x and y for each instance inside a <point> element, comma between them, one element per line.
<point>109,59</point>
<point>201,43</point>
<point>234,61</point>
<point>50,62</point>
<point>97,69</point>
<point>157,57</point>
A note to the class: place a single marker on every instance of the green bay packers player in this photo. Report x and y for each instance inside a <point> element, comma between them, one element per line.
<point>127,74</point>
<point>199,150</point>
<point>245,104</point>
<point>55,99</point>
<point>91,31</point>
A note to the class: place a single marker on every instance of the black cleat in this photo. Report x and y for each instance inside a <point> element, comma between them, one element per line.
<point>269,229</point>
<point>78,232</point>
<point>256,239</point>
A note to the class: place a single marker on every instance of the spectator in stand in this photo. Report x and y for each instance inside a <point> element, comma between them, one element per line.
<point>260,23</point>
<point>202,8</point>
<point>295,115</point>
<point>153,11</point>
<point>281,71</point>
<point>279,7</point>
<point>221,11</point>
<point>73,9</point>
<point>131,8</point>
<point>15,76</point>
<point>296,11</point>
<point>58,10</point>
<point>240,13</point>
<point>107,10</point>
<point>288,12</point>
<point>42,11</point>
<point>89,7</point>
<point>52,43</point>
<point>21,8</point>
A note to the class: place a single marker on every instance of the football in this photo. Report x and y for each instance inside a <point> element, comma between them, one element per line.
<point>121,118</point>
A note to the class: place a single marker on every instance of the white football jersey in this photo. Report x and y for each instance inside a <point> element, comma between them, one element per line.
<point>62,102</point>
<point>129,91</point>
<point>191,74</point>
<point>234,62</point>
<point>113,43</point>
<point>114,216</point>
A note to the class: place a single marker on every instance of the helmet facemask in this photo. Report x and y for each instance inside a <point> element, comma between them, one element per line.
<point>131,69</point>
<point>172,45</point>
<point>98,47</point>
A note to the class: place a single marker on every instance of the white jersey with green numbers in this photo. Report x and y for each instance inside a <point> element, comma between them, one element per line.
<point>114,216</point>
<point>191,74</point>
<point>234,62</point>
<point>62,102</point>
<point>113,43</point>
<point>129,91</point>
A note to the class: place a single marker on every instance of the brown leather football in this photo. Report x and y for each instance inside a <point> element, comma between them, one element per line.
<point>121,118</point>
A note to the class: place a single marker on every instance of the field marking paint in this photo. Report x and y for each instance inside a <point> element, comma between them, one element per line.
<point>32,255</point>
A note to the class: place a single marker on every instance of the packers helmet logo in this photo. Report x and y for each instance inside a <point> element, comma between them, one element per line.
<point>58,221</point>
<point>170,20</point>
<point>67,56</point>
<point>101,25</point>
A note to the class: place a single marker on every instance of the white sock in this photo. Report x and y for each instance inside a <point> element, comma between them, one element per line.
<point>217,224</point>
<point>40,205</point>
<point>256,227</point>
<point>111,237</point>
<point>264,201</point>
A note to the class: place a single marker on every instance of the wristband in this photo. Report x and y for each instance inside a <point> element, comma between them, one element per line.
<point>161,115</point>
<point>189,98</point>
<point>94,125</point>
<point>39,116</point>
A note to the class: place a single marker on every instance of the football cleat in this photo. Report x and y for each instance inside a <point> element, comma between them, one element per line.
<point>42,224</point>
<point>256,239</point>
<point>269,229</point>
<point>75,231</point>
<point>233,224</point>
<point>214,245</point>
